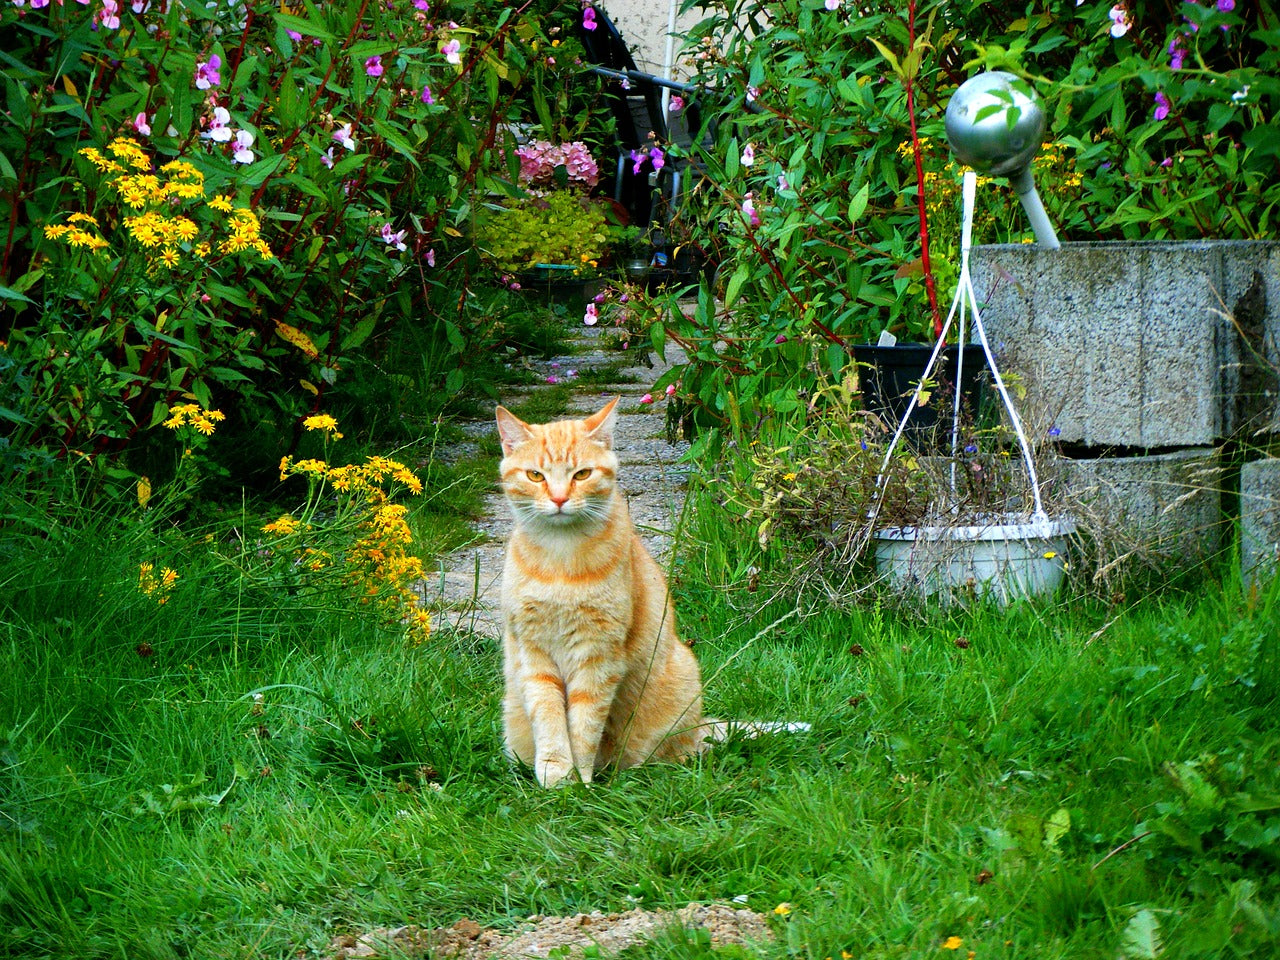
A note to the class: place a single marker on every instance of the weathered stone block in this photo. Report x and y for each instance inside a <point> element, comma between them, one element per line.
<point>1133,344</point>
<point>1170,504</point>
<point>1259,519</point>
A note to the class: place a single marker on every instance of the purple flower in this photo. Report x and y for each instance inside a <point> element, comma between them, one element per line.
<point>422,5</point>
<point>207,74</point>
<point>658,157</point>
<point>373,66</point>
<point>1162,105</point>
<point>452,51</point>
<point>392,237</point>
<point>1055,431</point>
<point>971,448</point>
<point>553,379</point>
<point>1177,52</point>
<point>343,136</point>
<point>780,338</point>
<point>430,257</point>
<point>589,18</point>
<point>1226,6</point>
<point>675,104</point>
<point>427,98</point>
<point>638,158</point>
<point>293,35</point>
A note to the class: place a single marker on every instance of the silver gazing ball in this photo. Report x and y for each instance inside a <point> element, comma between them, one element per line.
<point>989,144</point>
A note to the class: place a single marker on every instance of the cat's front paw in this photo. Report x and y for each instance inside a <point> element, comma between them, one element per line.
<point>553,772</point>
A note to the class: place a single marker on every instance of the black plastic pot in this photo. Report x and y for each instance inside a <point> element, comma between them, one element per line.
<point>888,377</point>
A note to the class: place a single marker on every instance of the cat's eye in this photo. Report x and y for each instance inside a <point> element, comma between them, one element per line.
<point>582,474</point>
<point>534,475</point>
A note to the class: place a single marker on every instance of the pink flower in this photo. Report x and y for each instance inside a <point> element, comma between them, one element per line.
<point>780,338</point>
<point>592,316</point>
<point>749,208</point>
<point>422,5</point>
<point>753,94</point>
<point>427,98</point>
<point>219,130</point>
<point>110,14</point>
<point>553,379</point>
<point>244,140</point>
<point>327,158</point>
<point>373,66</point>
<point>647,398</point>
<point>589,18</point>
<point>748,155</point>
<point>35,4</point>
<point>293,35</point>
<point>394,238</point>
<point>430,257</point>
<point>783,183</point>
<point>675,104</point>
<point>140,121</point>
<point>451,51</point>
<point>832,4</point>
<point>1120,22</point>
<point>671,389</point>
<point>1162,105</point>
<point>207,74</point>
<point>344,136</point>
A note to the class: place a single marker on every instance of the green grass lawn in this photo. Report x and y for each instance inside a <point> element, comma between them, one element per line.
<point>241,772</point>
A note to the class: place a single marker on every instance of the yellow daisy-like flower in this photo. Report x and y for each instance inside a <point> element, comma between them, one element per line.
<point>284,526</point>
<point>202,249</point>
<point>82,218</point>
<point>55,230</point>
<point>322,421</point>
<point>168,577</point>
<point>783,909</point>
<point>169,257</point>
<point>952,943</point>
<point>219,203</point>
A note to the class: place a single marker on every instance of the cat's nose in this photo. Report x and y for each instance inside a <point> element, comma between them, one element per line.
<point>559,501</point>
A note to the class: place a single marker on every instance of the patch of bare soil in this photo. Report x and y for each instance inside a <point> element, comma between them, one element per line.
<point>610,932</point>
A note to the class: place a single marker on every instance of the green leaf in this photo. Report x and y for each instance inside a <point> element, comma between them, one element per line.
<point>8,293</point>
<point>303,26</point>
<point>858,204</point>
<point>1141,939</point>
<point>1056,827</point>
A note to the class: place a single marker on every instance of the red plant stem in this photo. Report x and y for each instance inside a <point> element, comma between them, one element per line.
<point>929,285</point>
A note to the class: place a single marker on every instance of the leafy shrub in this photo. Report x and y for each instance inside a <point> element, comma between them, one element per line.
<point>355,139</point>
<point>822,190</point>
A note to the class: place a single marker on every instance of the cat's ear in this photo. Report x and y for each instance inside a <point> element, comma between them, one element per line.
<point>600,424</point>
<point>511,430</point>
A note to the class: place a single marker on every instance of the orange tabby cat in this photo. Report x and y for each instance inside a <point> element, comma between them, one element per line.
<point>594,671</point>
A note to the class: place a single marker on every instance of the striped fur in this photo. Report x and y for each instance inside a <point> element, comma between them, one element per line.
<point>594,671</point>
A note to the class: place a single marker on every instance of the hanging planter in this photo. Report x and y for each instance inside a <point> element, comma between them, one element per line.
<point>1000,555</point>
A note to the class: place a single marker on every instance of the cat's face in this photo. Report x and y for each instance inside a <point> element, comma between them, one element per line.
<point>559,475</point>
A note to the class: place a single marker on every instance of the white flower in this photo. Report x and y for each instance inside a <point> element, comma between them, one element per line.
<point>748,155</point>
<point>1120,22</point>
<point>219,129</point>
<point>833,4</point>
<point>244,140</point>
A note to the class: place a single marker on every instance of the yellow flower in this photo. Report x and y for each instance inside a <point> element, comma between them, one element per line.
<point>82,218</point>
<point>169,257</point>
<point>54,231</point>
<point>219,203</point>
<point>144,491</point>
<point>322,421</point>
<point>789,476</point>
<point>952,943</point>
<point>782,909</point>
<point>284,526</point>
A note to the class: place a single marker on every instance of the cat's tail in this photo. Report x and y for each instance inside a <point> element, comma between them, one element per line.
<point>718,731</point>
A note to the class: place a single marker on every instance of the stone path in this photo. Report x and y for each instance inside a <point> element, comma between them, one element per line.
<point>463,593</point>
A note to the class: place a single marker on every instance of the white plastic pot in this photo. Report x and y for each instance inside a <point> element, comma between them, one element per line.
<point>1005,558</point>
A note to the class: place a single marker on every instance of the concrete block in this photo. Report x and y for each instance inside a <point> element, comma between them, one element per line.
<point>1169,504</point>
<point>1260,519</point>
<point>1131,343</point>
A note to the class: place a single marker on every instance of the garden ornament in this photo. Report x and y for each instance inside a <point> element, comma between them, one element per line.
<point>995,127</point>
